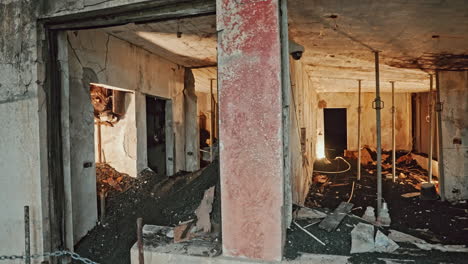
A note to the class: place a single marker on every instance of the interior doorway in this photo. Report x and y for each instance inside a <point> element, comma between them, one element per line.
<point>335,131</point>
<point>155,131</point>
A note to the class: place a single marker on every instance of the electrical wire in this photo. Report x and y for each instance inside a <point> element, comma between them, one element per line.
<point>352,192</point>
<point>336,172</point>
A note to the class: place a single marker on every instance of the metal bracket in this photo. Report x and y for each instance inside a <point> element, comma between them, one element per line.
<point>439,106</point>
<point>378,104</point>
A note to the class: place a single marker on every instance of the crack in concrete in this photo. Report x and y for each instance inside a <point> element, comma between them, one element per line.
<point>95,4</point>
<point>107,54</point>
<point>74,51</point>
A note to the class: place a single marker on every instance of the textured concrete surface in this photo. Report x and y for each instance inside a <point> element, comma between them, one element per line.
<point>250,129</point>
<point>303,113</point>
<point>338,48</point>
<point>368,126</point>
<point>454,95</point>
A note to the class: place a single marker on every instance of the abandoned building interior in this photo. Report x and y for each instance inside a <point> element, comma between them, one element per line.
<point>212,131</point>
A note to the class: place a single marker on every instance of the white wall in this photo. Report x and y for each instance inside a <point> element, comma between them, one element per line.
<point>368,124</point>
<point>303,110</point>
<point>454,96</point>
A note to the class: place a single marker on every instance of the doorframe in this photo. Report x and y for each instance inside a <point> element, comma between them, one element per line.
<point>55,234</point>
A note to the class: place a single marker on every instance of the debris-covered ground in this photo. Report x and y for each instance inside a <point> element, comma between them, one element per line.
<point>436,222</point>
<point>159,200</point>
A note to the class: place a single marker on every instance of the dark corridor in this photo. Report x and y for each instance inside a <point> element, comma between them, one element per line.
<point>335,131</point>
<point>156,138</point>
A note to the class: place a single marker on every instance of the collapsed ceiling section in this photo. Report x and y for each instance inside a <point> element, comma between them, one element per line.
<point>413,38</point>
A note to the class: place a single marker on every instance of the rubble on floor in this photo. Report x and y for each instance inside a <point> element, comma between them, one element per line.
<point>111,182</point>
<point>441,225</point>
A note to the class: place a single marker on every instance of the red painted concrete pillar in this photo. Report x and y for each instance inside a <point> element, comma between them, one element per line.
<point>251,153</point>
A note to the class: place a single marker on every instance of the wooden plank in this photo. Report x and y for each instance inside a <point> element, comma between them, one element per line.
<point>332,221</point>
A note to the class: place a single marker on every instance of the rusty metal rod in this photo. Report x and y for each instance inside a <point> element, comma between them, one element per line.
<point>439,109</point>
<point>27,236</point>
<point>141,256</point>
<point>431,136</point>
<point>393,133</point>
<point>102,202</point>
<point>99,141</point>
<point>378,106</point>
<point>212,116</point>
<point>359,132</point>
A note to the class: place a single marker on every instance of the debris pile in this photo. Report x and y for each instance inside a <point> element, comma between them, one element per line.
<point>109,181</point>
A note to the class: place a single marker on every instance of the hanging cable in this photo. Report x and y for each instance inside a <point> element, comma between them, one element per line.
<point>337,172</point>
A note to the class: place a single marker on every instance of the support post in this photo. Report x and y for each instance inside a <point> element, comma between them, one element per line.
<point>431,136</point>
<point>359,132</point>
<point>99,135</point>
<point>27,236</point>
<point>393,133</point>
<point>439,109</point>
<point>378,105</point>
<point>252,162</point>
<point>212,122</point>
<point>141,256</point>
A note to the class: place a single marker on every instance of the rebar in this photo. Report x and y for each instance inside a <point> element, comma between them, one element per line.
<point>27,236</point>
<point>141,257</point>
<point>431,137</point>
<point>393,133</point>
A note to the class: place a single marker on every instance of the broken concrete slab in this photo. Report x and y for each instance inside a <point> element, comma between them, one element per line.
<point>332,220</point>
<point>422,244</point>
<point>384,244</point>
<point>401,237</point>
<point>204,210</point>
<point>362,238</point>
<point>309,213</point>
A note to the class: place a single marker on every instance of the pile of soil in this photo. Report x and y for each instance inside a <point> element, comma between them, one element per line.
<point>111,182</point>
<point>110,242</point>
<point>433,221</point>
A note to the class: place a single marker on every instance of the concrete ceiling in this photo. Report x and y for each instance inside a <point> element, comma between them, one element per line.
<point>195,47</point>
<point>339,36</point>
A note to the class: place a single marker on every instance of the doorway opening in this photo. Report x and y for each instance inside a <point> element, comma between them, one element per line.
<point>155,132</point>
<point>335,131</point>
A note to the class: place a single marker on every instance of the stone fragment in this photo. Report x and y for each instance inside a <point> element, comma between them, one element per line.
<point>384,244</point>
<point>204,210</point>
<point>309,213</point>
<point>362,238</point>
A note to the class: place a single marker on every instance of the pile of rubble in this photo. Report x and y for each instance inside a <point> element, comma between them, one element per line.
<point>109,181</point>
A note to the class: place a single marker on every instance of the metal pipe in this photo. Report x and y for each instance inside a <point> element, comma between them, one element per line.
<point>393,133</point>
<point>211,120</point>
<point>99,141</point>
<point>431,137</point>
<point>102,201</point>
<point>359,132</point>
<point>27,236</point>
<point>378,106</point>
<point>141,257</point>
<point>439,109</point>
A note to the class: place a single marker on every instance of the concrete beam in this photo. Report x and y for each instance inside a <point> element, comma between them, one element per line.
<point>251,149</point>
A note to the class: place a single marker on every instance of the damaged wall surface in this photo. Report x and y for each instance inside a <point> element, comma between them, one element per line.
<point>368,126</point>
<point>120,64</point>
<point>454,96</point>
<point>303,111</point>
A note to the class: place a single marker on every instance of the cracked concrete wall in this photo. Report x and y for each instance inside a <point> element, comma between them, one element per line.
<point>368,127</point>
<point>303,110</point>
<point>454,96</point>
<point>23,157</point>
<point>65,7</point>
<point>118,63</point>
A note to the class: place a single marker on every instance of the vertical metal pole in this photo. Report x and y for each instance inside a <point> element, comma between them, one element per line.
<point>99,141</point>
<point>359,132</point>
<point>440,140</point>
<point>27,236</point>
<point>378,106</point>
<point>211,120</point>
<point>431,137</point>
<point>141,257</point>
<point>393,133</point>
